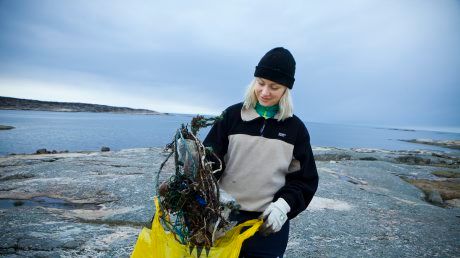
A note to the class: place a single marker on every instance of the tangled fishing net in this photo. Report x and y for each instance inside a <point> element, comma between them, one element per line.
<point>192,207</point>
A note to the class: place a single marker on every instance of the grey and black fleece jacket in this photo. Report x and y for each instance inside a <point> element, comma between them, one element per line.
<point>264,159</point>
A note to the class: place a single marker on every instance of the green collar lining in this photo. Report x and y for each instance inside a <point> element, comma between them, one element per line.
<point>267,112</point>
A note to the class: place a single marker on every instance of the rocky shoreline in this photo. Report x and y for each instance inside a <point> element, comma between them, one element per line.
<point>6,127</point>
<point>452,144</point>
<point>95,204</point>
<point>7,103</point>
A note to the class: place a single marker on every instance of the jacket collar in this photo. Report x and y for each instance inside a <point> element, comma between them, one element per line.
<point>248,114</point>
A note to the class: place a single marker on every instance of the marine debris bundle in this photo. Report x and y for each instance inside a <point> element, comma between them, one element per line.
<point>192,206</point>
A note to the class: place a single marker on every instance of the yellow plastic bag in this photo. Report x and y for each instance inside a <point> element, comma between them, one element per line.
<point>158,243</point>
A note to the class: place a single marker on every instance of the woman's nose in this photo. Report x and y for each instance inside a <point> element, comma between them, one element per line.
<point>265,91</point>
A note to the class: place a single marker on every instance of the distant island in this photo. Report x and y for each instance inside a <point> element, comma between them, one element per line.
<point>7,103</point>
<point>452,144</point>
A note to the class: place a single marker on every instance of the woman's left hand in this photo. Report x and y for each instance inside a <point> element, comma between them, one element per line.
<point>274,216</point>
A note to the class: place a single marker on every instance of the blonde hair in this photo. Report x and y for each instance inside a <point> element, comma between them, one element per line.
<point>286,107</point>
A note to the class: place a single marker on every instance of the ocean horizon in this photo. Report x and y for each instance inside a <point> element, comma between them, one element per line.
<point>86,131</point>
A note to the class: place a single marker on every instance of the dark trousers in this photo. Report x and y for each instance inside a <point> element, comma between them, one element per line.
<point>259,246</point>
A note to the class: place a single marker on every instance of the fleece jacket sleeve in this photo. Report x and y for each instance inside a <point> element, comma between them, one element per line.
<point>300,185</point>
<point>217,139</point>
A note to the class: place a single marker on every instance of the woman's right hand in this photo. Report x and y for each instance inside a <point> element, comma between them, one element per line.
<point>163,189</point>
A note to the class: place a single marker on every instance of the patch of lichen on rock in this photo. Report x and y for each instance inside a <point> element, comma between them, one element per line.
<point>448,189</point>
<point>435,161</point>
<point>446,174</point>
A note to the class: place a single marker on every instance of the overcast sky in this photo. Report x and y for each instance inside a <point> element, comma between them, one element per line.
<point>388,62</point>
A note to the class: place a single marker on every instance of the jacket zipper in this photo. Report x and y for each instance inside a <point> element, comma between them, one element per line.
<point>263,127</point>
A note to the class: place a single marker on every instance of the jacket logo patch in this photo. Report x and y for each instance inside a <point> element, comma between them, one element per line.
<point>281,134</point>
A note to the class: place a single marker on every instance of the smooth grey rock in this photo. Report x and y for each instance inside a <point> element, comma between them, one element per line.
<point>332,156</point>
<point>435,197</point>
<point>6,127</point>
<point>41,151</point>
<point>368,158</point>
<point>104,149</point>
<point>361,209</point>
<point>413,160</point>
<point>8,243</point>
<point>73,244</point>
<point>38,244</point>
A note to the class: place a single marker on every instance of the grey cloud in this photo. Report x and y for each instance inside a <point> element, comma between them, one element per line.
<point>375,61</point>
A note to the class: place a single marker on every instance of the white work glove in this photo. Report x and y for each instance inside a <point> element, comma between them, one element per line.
<point>274,216</point>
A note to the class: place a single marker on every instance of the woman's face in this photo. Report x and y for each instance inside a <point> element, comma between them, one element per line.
<point>268,93</point>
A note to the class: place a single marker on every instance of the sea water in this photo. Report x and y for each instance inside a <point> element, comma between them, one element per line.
<point>84,131</point>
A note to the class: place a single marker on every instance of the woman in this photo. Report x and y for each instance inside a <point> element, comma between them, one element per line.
<point>268,162</point>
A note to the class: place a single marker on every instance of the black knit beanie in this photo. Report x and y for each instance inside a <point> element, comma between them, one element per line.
<point>277,65</point>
